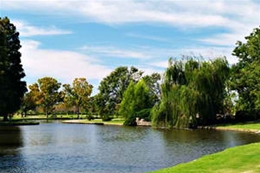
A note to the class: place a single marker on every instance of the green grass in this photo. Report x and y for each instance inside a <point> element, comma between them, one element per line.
<point>249,126</point>
<point>115,122</point>
<point>85,121</point>
<point>242,159</point>
<point>43,117</point>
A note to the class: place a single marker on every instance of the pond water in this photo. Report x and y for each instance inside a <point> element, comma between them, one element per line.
<point>58,148</point>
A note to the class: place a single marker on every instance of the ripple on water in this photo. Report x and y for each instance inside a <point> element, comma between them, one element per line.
<point>58,148</point>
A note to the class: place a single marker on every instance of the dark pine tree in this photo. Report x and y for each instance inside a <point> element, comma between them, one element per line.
<point>12,88</point>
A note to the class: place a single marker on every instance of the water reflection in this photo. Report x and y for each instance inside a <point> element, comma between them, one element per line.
<point>11,140</point>
<point>56,147</point>
<point>10,137</point>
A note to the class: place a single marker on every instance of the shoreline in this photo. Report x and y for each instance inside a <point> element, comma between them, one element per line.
<point>18,123</point>
<point>228,129</point>
<point>91,122</point>
<point>222,128</point>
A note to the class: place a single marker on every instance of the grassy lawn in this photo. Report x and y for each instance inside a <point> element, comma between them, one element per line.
<point>115,122</point>
<point>242,159</point>
<point>249,126</point>
<point>85,121</point>
<point>39,117</point>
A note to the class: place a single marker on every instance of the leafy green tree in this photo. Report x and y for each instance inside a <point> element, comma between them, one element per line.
<point>112,87</point>
<point>136,101</point>
<point>245,78</point>
<point>46,93</point>
<point>153,83</point>
<point>78,94</point>
<point>190,90</point>
<point>28,103</point>
<point>31,99</point>
<point>12,88</point>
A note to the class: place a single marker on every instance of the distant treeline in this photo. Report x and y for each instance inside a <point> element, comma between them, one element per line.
<point>191,91</point>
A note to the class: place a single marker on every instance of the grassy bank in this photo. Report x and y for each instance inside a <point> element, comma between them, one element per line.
<point>247,126</point>
<point>240,159</point>
<point>118,122</point>
<point>43,117</point>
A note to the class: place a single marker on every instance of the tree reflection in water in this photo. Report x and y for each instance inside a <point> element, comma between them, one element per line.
<point>11,140</point>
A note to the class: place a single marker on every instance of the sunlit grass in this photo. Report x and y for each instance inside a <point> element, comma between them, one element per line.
<point>242,159</point>
<point>250,126</point>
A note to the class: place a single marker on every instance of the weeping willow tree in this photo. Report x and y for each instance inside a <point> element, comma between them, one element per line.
<point>192,93</point>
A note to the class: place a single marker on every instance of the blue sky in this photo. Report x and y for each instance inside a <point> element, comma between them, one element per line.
<point>70,38</point>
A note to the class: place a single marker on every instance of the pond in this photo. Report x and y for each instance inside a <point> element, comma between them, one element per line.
<point>58,148</point>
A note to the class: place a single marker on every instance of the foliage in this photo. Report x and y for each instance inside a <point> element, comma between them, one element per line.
<point>31,99</point>
<point>12,88</point>
<point>46,93</point>
<point>28,103</point>
<point>78,94</point>
<point>245,78</point>
<point>153,83</point>
<point>136,98</point>
<point>112,87</point>
<point>192,93</point>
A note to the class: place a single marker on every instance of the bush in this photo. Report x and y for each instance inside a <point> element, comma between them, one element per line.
<point>144,114</point>
<point>245,116</point>
<point>90,117</point>
<point>130,121</point>
<point>106,118</point>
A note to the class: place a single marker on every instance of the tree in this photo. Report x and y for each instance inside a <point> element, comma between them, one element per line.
<point>137,102</point>
<point>112,87</point>
<point>28,103</point>
<point>31,99</point>
<point>79,94</point>
<point>12,88</point>
<point>153,83</point>
<point>245,78</point>
<point>46,93</point>
<point>191,89</point>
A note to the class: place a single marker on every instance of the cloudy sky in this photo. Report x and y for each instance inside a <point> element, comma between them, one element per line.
<point>89,38</point>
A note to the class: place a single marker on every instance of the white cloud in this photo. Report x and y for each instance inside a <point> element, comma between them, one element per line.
<point>63,65</point>
<point>173,12</point>
<point>110,51</point>
<point>27,30</point>
<point>239,17</point>
<point>148,37</point>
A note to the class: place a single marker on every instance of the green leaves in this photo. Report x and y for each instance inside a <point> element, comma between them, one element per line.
<point>46,93</point>
<point>189,89</point>
<point>245,78</point>
<point>78,94</point>
<point>112,88</point>
<point>136,99</point>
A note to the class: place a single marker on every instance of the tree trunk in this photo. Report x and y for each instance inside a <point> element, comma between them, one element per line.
<point>77,109</point>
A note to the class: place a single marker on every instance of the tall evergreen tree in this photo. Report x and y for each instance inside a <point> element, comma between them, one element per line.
<point>12,88</point>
